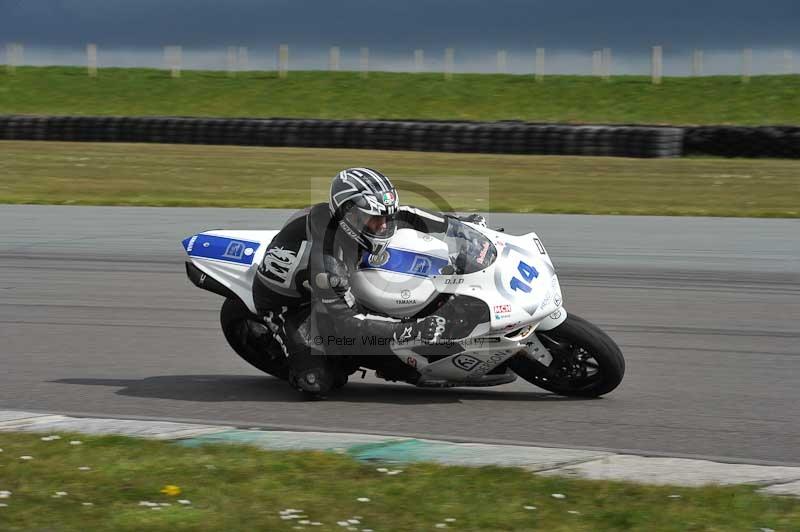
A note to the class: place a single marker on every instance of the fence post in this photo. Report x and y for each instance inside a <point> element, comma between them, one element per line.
<point>231,61</point>
<point>172,58</point>
<point>91,60</point>
<point>606,61</point>
<point>540,64</point>
<point>19,54</point>
<point>11,65</point>
<point>788,67</point>
<point>747,64</point>
<point>656,65</point>
<point>176,71</point>
<point>596,63</point>
<point>364,62</point>
<point>502,61</point>
<point>449,60</point>
<point>14,56</point>
<point>283,61</point>
<point>419,60</point>
<point>697,63</point>
<point>243,59</point>
<point>333,59</point>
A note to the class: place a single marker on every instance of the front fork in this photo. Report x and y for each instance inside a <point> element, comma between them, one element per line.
<point>534,349</point>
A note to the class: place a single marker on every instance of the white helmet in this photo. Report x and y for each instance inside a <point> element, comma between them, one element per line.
<point>365,202</point>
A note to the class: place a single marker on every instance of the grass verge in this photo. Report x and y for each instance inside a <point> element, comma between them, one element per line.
<point>234,176</point>
<point>623,99</point>
<point>101,483</point>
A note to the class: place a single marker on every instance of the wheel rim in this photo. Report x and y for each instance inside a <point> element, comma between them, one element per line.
<point>574,366</point>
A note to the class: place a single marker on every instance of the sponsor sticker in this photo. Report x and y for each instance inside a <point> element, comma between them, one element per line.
<point>482,254</point>
<point>540,246</point>
<point>487,366</point>
<point>420,265</point>
<point>466,362</point>
<point>235,250</point>
<point>378,260</point>
<point>405,335</point>
<point>348,231</point>
<point>389,198</point>
<point>502,309</point>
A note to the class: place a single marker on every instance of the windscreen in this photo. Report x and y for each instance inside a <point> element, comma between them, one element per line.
<point>470,251</point>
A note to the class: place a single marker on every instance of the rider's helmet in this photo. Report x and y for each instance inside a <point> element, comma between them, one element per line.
<point>364,202</point>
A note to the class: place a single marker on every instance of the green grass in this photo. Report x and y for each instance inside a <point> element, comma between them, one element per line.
<point>242,488</point>
<point>583,99</point>
<point>233,176</point>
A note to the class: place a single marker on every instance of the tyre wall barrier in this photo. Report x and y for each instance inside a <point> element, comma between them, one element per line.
<point>733,141</point>
<point>476,137</point>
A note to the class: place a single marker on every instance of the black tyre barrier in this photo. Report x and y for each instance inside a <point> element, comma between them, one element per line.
<point>732,141</point>
<point>444,136</point>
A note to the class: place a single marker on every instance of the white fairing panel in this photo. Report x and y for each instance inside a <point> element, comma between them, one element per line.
<point>514,278</point>
<point>230,257</point>
<point>520,287</point>
<point>399,282</point>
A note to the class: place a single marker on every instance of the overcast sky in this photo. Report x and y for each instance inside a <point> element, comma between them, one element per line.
<point>624,25</point>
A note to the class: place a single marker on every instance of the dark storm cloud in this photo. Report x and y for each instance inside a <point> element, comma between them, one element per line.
<point>466,24</point>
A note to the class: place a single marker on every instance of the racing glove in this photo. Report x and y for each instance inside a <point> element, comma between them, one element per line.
<point>428,329</point>
<point>432,328</point>
<point>476,219</point>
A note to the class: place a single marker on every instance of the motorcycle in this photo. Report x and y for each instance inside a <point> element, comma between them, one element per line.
<point>500,290</point>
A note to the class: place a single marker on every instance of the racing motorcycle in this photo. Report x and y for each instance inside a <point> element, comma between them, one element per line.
<point>502,290</point>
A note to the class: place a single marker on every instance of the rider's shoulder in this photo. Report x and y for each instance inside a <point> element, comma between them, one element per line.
<point>319,210</point>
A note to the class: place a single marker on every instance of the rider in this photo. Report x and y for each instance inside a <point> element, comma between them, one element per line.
<point>303,280</point>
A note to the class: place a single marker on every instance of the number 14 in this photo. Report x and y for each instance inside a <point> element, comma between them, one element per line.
<point>528,273</point>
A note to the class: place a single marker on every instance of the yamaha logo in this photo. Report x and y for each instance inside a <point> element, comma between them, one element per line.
<point>405,294</point>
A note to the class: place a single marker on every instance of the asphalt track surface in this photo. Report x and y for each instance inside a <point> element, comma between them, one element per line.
<point>97,317</point>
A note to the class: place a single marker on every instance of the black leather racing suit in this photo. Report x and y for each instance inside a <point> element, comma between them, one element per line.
<point>302,285</point>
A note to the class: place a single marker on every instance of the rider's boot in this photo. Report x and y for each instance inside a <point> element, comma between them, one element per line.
<point>311,373</point>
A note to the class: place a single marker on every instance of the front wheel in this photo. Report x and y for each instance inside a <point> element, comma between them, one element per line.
<point>586,362</point>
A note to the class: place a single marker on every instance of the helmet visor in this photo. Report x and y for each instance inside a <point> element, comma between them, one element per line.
<point>371,225</point>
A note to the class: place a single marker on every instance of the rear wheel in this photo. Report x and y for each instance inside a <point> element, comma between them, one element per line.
<point>586,362</point>
<point>252,340</point>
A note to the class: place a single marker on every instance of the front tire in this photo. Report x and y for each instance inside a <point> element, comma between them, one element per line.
<point>252,340</point>
<point>586,362</point>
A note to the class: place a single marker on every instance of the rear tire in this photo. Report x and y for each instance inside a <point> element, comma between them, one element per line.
<point>586,361</point>
<point>252,340</point>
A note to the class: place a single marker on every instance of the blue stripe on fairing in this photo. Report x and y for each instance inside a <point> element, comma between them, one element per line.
<point>221,248</point>
<point>408,262</point>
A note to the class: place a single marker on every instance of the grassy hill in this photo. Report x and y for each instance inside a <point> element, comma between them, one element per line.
<point>577,99</point>
<point>248,176</point>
